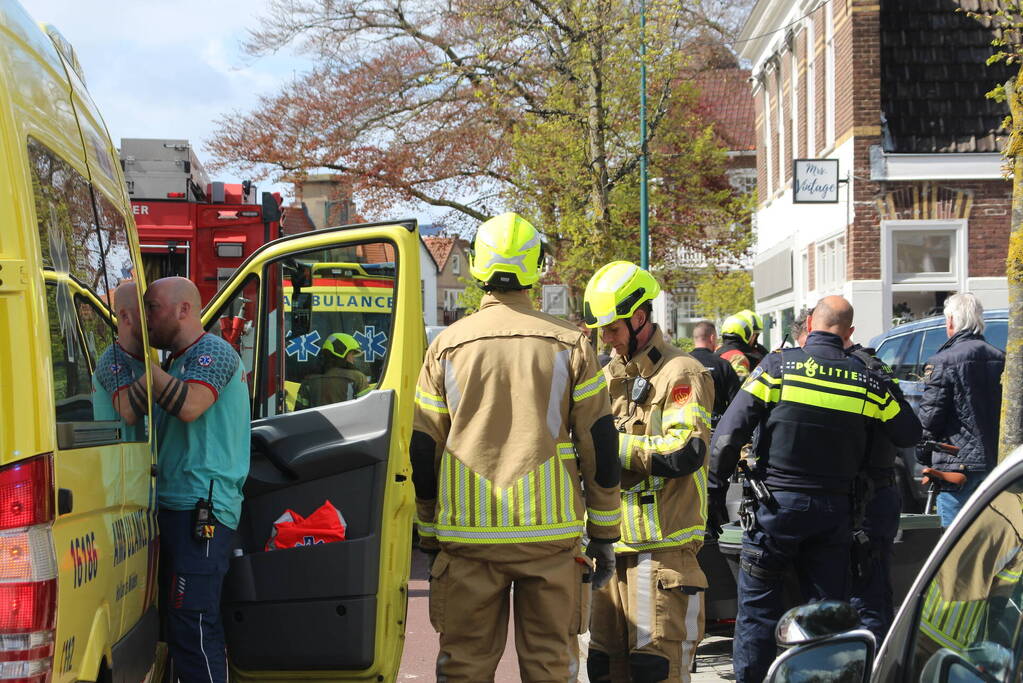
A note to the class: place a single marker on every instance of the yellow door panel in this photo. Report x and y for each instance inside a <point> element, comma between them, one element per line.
<point>337,343</point>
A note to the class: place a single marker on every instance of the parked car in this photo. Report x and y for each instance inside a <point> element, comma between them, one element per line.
<point>906,349</point>
<point>961,621</point>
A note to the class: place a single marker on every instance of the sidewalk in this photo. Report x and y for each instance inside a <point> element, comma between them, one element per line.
<point>713,657</point>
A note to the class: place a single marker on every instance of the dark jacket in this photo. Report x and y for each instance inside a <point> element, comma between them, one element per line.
<point>962,403</point>
<point>881,452</point>
<point>814,406</point>
<point>726,382</point>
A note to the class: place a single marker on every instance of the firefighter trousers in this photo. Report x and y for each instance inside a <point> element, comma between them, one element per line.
<point>648,620</point>
<point>469,605</point>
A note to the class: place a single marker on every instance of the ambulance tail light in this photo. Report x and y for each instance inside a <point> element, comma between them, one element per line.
<point>26,493</point>
<point>28,571</point>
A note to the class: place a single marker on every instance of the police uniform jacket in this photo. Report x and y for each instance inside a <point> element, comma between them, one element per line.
<point>513,449</point>
<point>663,440</point>
<point>881,452</point>
<point>814,406</point>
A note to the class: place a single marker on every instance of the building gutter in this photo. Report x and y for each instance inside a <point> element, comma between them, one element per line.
<point>936,166</point>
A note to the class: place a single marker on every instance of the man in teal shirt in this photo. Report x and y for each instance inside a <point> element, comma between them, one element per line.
<point>116,393</point>
<point>202,423</point>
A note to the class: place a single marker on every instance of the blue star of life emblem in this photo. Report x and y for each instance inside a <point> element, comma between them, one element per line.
<point>373,343</point>
<point>304,346</point>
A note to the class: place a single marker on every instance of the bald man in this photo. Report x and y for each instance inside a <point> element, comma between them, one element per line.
<point>119,384</point>
<point>202,422</point>
<point>815,407</point>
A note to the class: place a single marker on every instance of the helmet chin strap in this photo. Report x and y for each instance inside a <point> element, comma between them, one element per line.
<point>634,334</point>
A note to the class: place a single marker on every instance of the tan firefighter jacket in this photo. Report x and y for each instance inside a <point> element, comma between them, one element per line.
<point>660,509</point>
<point>511,414</point>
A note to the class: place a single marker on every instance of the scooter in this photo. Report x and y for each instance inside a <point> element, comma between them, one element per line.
<point>937,478</point>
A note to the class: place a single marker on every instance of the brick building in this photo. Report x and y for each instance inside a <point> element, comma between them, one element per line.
<point>895,91</point>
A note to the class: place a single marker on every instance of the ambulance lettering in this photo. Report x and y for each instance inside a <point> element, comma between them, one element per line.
<point>125,587</point>
<point>131,534</point>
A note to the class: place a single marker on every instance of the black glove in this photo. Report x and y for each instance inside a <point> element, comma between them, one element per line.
<point>603,554</point>
<point>717,511</point>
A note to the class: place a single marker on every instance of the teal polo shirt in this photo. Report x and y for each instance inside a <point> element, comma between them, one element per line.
<point>115,370</point>
<point>214,447</point>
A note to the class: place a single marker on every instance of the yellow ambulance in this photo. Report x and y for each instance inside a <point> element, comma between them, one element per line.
<point>78,540</point>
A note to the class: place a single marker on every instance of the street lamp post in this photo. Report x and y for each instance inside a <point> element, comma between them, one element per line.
<point>644,237</point>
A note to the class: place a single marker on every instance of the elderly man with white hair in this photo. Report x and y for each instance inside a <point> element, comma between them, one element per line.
<point>962,401</point>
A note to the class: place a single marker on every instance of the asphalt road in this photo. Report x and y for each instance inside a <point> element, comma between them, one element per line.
<point>713,657</point>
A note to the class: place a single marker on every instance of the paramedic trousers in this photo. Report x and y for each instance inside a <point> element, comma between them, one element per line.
<point>807,531</point>
<point>191,578</point>
<point>469,604</point>
<point>648,620</point>
<point>872,594</point>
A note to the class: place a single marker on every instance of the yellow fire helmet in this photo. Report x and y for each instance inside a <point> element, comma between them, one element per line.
<point>506,252</point>
<point>738,325</point>
<point>341,344</point>
<point>754,319</point>
<point>616,291</point>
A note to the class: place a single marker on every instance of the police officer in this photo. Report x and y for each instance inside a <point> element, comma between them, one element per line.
<point>514,455</point>
<point>736,333</point>
<point>872,593</point>
<point>814,407</point>
<point>648,621</point>
<point>726,382</point>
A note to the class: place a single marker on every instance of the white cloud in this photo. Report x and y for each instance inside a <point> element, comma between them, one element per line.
<point>162,70</point>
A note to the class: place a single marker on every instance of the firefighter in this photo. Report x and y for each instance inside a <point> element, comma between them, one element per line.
<point>736,333</point>
<point>340,379</point>
<point>648,621</point>
<point>758,326</point>
<point>814,406</point>
<point>514,455</point>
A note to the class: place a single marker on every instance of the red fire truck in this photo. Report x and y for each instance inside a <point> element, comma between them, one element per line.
<point>187,225</point>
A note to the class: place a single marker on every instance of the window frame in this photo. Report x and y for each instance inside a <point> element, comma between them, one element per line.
<point>829,76</point>
<point>926,282</point>
<point>261,399</point>
<point>811,88</point>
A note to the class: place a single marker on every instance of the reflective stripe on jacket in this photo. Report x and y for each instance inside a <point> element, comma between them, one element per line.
<point>514,403</point>
<point>814,406</point>
<point>661,508</point>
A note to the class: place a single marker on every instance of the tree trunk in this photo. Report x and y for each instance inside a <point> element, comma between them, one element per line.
<point>1011,434</point>
<point>596,122</point>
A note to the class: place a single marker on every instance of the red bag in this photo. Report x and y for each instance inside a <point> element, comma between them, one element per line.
<point>291,530</point>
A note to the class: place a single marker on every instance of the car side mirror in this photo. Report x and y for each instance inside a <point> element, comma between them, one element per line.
<point>984,663</point>
<point>847,657</point>
<point>814,621</point>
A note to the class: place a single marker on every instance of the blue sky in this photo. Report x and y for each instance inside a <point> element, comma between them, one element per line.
<point>158,69</point>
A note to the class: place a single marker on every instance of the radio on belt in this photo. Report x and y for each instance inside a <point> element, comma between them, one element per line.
<point>203,519</point>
